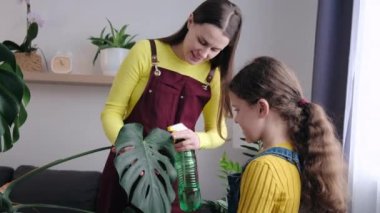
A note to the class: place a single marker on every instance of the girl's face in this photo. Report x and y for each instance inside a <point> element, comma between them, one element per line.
<point>202,42</point>
<point>249,117</point>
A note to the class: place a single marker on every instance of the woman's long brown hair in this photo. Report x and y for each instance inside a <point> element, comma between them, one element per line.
<point>226,16</point>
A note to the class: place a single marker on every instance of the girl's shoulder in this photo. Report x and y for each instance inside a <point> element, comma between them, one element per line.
<point>270,162</point>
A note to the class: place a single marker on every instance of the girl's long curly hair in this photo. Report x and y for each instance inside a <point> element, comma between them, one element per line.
<point>323,173</point>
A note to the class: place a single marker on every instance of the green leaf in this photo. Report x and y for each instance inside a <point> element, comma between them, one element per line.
<point>22,116</point>
<point>112,28</point>
<point>218,206</point>
<point>254,148</point>
<point>14,96</point>
<point>5,204</point>
<point>7,56</point>
<point>6,138</point>
<point>32,31</point>
<point>11,82</point>
<point>9,106</point>
<point>26,96</point>
<point>31,34</point>
<point>12,45</point>
<point>152,156</point>
<point>16,132</point>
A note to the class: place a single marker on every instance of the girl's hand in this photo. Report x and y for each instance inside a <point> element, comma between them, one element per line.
<point>185,140</point>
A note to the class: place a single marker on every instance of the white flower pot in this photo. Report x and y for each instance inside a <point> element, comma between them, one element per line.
<point>111,59</point>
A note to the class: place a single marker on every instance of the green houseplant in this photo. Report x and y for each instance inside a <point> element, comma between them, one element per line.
<point>14,96</point>
<point>26,46</point>
<point>116,38</point>
<point>26,51</point>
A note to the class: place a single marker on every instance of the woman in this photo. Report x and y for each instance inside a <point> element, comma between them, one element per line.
<point>301,163</point>
<point>173,80</point>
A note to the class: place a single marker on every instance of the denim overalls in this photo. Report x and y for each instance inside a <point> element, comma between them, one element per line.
<point>234,179</point>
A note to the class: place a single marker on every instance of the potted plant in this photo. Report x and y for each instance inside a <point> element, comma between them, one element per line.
<point>112,47</point>
<point>26,55</point>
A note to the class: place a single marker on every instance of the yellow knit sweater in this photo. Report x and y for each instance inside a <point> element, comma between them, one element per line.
<point>270,184</point>
<point>132,78</point>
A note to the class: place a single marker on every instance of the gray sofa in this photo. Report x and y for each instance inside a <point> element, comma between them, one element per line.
<point>69,188</point>
<point>60,187</point>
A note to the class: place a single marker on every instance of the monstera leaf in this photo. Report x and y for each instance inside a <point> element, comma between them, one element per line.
<point>14,96</point>
<point>146,167</point>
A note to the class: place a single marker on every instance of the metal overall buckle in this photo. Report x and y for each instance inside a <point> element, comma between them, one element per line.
<point>205,86</point>
<point>156,71</point>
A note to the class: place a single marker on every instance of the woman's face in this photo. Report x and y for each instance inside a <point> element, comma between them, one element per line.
<point>202,42</point>
<point>248,117</point>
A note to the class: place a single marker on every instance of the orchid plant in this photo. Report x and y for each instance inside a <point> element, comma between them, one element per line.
<point>33,21</point>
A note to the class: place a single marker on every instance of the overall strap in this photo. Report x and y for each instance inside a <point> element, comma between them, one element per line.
<point>153,51</point>
<point>209,78</point>
<point>283,153</point>
<point>155,61</point>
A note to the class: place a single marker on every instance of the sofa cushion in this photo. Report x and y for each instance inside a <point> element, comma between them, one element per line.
<point>76,189</point>
<point>6,174</point>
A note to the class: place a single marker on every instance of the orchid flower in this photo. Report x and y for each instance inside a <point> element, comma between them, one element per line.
<point>34,17</point>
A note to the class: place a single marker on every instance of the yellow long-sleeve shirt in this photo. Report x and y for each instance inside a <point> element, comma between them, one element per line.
<point>270,184</point>
<point>132,78</point>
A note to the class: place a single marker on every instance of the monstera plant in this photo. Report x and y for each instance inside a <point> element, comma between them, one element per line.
<point>14,96</point>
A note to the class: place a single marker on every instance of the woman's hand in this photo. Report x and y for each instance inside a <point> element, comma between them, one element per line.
<point>185,140</point>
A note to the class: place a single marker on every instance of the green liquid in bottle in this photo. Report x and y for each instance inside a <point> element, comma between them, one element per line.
<point>188,186</point>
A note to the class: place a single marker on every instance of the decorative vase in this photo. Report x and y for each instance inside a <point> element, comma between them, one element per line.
<point>111,59</point>
<point>29,61</point>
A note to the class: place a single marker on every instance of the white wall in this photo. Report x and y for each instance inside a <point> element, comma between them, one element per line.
<point>65,119</point>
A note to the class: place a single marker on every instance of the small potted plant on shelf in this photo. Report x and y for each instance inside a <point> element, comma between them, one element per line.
<point>112,47</point>
<point>26,53</point>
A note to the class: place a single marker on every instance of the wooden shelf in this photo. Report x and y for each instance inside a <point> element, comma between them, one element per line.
<point>78,79</point>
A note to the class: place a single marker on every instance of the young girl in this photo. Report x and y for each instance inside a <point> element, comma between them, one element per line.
<point>301,164</point>
<point>173,80</point>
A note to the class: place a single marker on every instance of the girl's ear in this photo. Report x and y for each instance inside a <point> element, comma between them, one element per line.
<point>263,107</point>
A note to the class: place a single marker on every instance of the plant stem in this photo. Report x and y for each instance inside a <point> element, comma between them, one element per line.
<point>20,206</point>
<point>40,169</point>
<point>27,13</point>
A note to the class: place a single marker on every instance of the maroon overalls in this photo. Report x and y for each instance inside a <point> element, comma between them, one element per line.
<point>168,98</point>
